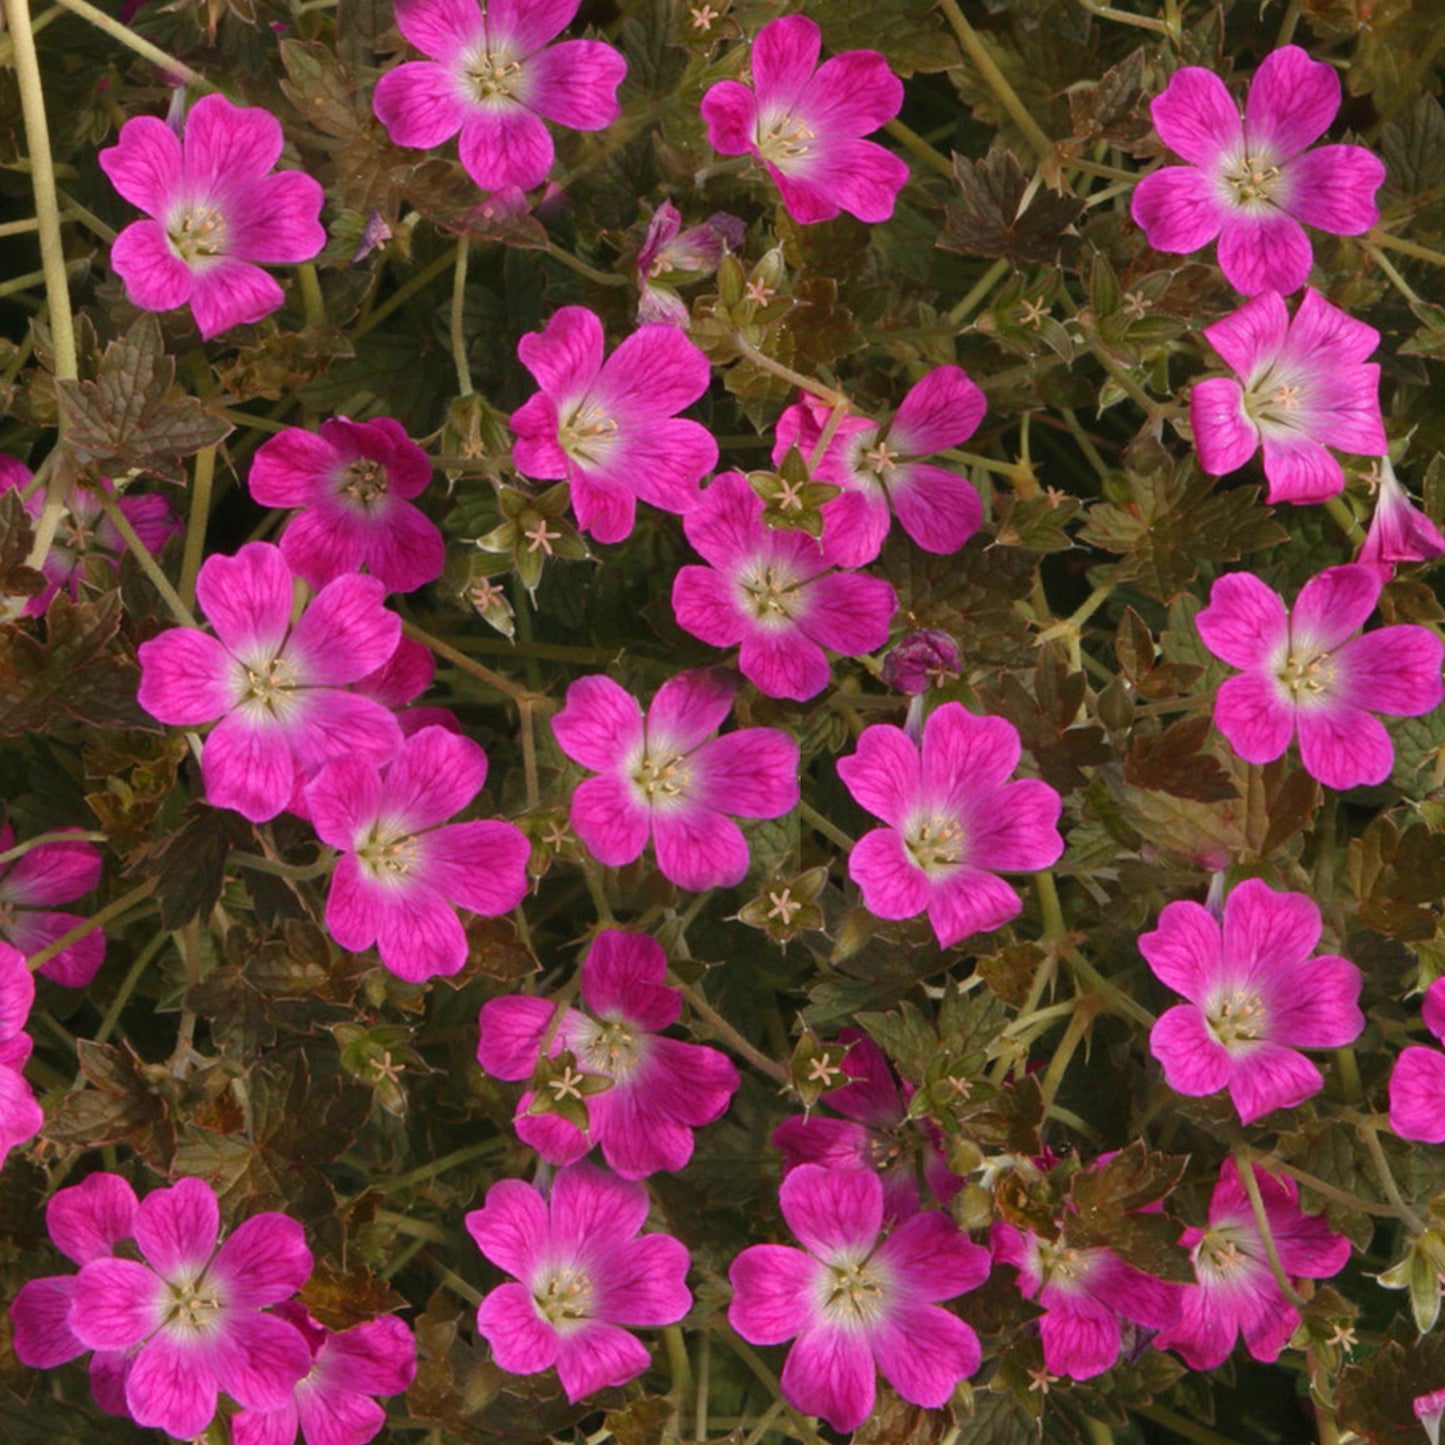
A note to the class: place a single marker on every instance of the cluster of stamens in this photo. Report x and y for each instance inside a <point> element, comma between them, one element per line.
<point>493,75</point>
<point>1307,674</point>
<point>854,1291</point>
<point>270,684</point>
<point>1060,1261</point>
<point>936,842</point>
<point>882,460</point>
<point>768,590</point>
<point>366,480</point>
<point>1254,179</point>
<point>197,233</point>
<point>786,139</point>
<point>387,855</point>
<point>614,1049</point>
<point>662,776</point>
<point>1239,1017</point>
<point>193,1305</point>
<point>1273,401</point>
<point>579,436</point>
<point>1219,1252</point>
<point>565,1295</point>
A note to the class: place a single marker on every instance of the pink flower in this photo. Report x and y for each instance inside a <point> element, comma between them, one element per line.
<point>1307,672</point>
<point>20,1116</point>
<point>495,77</point>
<point>1235,1290</point>
<point>670,778</point>
<point>1247,181</point>
<point>355,483</point>
<point>216,210</point>
<point>774,592</point>
<point>276,688</point>
<point>670,256</point>
<point>662,1089</point>
<point>1256,997</point>
<point>401,871</point>
<point>583,1276</point>
<point>805,123</point>
<point>1303,385</point>
<point>953,818</point>
<point>1428,1411</point>
<point>399,681</point>
<point>51,873</point>
<point>87,532</point>
<point>875,1133</point>
<point>194,1313</point>
<point>610,427</point>
<point>882,466</point>
<point>1086,1295</point>
<point>855,1295</point>
<point>1399,531</point>
<point>334,1404</point>
<point>1417,1082</point>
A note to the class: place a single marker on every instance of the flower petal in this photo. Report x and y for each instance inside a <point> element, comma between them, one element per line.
<point>512,1228</point>
<point>1333,188</point>
<point>258,1358</point>
<point>1300,471</point>
<point>263,1261</point>
<point>699,849</point>
<point>522,1341</point>
<point>171,1387</point>
<point>1271,1077</point>
<point>1245,623</point>
<point>971,902</point>
<point>600,724</point>
<point>832,1211</point>
<point>829,1372</point>
<point>232,293</point>
<point>176,1228</point>
<point>248,766</point>
<point>1196,117</point>
<point>480,866</point>
<point>1417,1097</point>
<point>885,773</point>
<point>505,146</point>
<point>1264,251</point>
<point>187,677</point>
<point>419,935</point>
<point>1224,436</point>
<point>937,508</point>
<point>1252,715</point>
<point>89,1219</point>
<point>440,28</point>
<point>247,599</point>
<point>226,143</point>
<point>419,103</point>
<point>1178,208</point>
<point>598,1355</point>
<point>750,773</point>
<point>1194,1061</point>
<point>575,83</point>
<point>643,1282</point>
<point>893,885</point>
<point>1292,100</point>
<point>784,57</point>
<point>145,164</point>
<point>1344,747</point>
<point>1185,949</point>
<point>155,278</point>
<point>1393,670</point>
<point>773,1285</point>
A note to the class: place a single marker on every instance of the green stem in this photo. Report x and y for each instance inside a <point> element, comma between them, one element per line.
<point>111,507</point>
<point>830,428</point>
<point>197,518</point>
<point>1080,1022</point>
<point>1344,519</point>
<point>810,384</point>
<point>575,263</point>
<point>1181,1425</point>
<point>974,297</point>
<point>1387,1179</point>
<point>417,1228</point>
<point>1327,1190</point>
<point>1287,24</point>
<point>458,333</point>
<point>404,293</point>
<point>1261,1219</point>
<point>1125,17</point>
<point>815,820</point>
<point>299,873</point>
<point>914,143</point>
<point>87,926</point>
<point>728,1034</point>
<point>1115,997</point>
<point>138,43</point>
<point>312,302</point>
<point>996,81</point>
<point>127,986</point>
<point>1396,279</point>
<point>445,1272</point>
<point>56,835</point>
<point>445,1163</point>
<point>467,664</point>
<point>1404,247</point>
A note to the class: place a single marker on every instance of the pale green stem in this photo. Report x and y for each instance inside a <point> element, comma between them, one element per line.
<point>296,872</point>
<point>1405,248</point>
<point>458,332</point>
<point>127,986</point>
<point>1339,509</point>
<point>56,835</point>
<point>111,507</point>
<point>312,303</point>
<point>1115,997</point>
<point>996,80</point>
<point>16,284</point>
<point>197,518</point>
<point>404,293</point>
<point>1261,1219</point>
<point>1387,1180</point>
<point>243,419</point>
<point>446,1162</point>
<point>1079,1023</point>
<point>834,834</point>
<point>575,263</point>
<point>7,46</point>
<point>914,143</point>
<point>417,1228</point>
<point>1125,17</point>
<point>138,43</point>
<point>467,664</point>
<point>975,296</point>
<point>728,1034</point>
<point>1287,24</point>
<point>1396,279</point>
<point>1181,1425</point>
<point>810,384</point>
<point>830,428</point>
<point>87,926</point>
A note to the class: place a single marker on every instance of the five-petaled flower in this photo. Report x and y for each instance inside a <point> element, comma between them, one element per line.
<point>1304,385</point>
<point>1250,180</point>
<point>806,123</point>
<point>953,818</point>
<point>1305,671</point>
<point>582,1278</point>
<point>1256,997</point>
<point>495,76</point>
<point>216,212</point>
<point>670,778</point>
<point>854,1295</point>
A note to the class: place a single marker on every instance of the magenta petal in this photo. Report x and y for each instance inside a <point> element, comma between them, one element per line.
<point>1344,747</point>
<point>1185,949</point>
<point>52,873</point>
<point>694,1082</point>
<point>1316,1004</point>
<point>354,906</point>
<point>434,776</point>
<point>600,724</point>
<point>607,817</point>
<point>116,1304</point>
<point>924,1352</point>
<point>344,799</point>
<point>962,750</point>
<point>145,163</point>
<point>591,1210</point>
<point>334,723</point>
<point>554,1138</point>
<point>772,1285</point>
<point>89,1219</point>
<point>832,1211</point>
<point>512,1227</point>
<point>596,1356</point>
<point>1300,471</point>
<point>849,612</point>
<point>248,766</point>
<point>440,28</point>
<point>1224,436</point>
<point>1014,829</point>
<point>970,902</point>
<point>893,885</point>
<point>1393,670</point>
<point>344,634</point>
<point>480,866</point>
<point>726,527</point>
<point>662,461</point>
<point>226,143</point>
<point>624,977</point>
<point>155,278</point>
<point>941,410</point>
<point>419,935</point>
<point>1292,100</point>
<point>406,551</point>
<point>263,1261</point>
<point>884,773</point>
<point>258,1358</point>
<point>1252,338</point>
<point>1251,713</point>
<point>644,1282</point>
<point>1432,1011</point>
<point>21,1118</point>
<point>781,662</point>
<point>247,599</point>
<point>730,111</point>
<point>604,509</point>
<point>1245,623</point>
<point>566,354</point>
<point>511,1030</point>
<point>707,604</point>
<point>575,83</point>
<point>420,104</point>
<point>290,468</point>
<point>1333,605</point>
<point>323,543</point>
<point>1194,1061</point>
<point>171,1386</point>
<point>937,508</point>
<point>857,176</point>
<point>689,707</point>
<point>39,1317</point>
<point>187,677</point>
<point>936,1258</point>
<point>1334,188</point>
<point>331,1417</point>
<point>1264,251</point>
<point>1080,1336</point>
<point>232,293</point>
<point>852,94</point>
<point>378,1356</point>
<point>699,849</point>
<point>637,1136</point>
<point>1323,336</point>
<point>1265,931</point>
<point>1178,208</point>
<point>75,966</point>
<point>1417,1097</point>
<point>505,147</point>
<point>829,1372</point>
<point>176,1228</point>
<point>522,1342</point>
<point>785,55</point>
<point>751,773</point>
<point>1270,1077</point>
<point>1196,117</point>
<point>281,225</point>
<point>527,25</point>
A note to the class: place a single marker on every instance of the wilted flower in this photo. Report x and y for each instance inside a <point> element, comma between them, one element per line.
<point>670,256</point>
<point>1428,1411</point>
<point>921,660</point>
<point>1399,531</point>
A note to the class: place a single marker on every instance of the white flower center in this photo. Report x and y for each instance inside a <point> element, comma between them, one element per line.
<point>662,777</point>
<point>770,591</point>
<point>269,685</point>
<point>935,843</point>
<point>564,1296</point>
<point>587,435</point>
<point>387,853</point>
<point>1253,178</point>
<point>1307,675</point>
<point>196,1306</point>
<point>854,1293</point>
<point>197,233</point>
<point>612,1048</point>
<point>784,139</point>
<point>365,481</point>
<point>1278,401</point>
<point>492,74</point>
<point>1218,1256</point>
<point>1237,1017</point>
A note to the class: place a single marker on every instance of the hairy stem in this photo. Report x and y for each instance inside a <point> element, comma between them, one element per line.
<point>149,565</point>
<point>458,333</point>
<point>138,43</point>
<point>996,80</point>
<point>87,926</point>
<point>197,519</point>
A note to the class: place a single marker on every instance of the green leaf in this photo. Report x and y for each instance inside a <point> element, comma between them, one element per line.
<point>1003,216</point>
<point>909,32</point>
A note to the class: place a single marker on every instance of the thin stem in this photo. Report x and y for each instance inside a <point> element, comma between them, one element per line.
<point>1261,1219</point>
<point>467,664</point>
<point>728,1034</point>
<point>914,143</point>
<point>1404,247</point>
<point>825,437</point>
<point>246,419</point>
<point>16,284</point>
<point>202,481</point>
<point>974,297</point>
<point>1080,1022</point>
<point>704,1380</point>
<point>55,835</point>
<point>312,302</point>
<point>453,1280</point>
<point>417,1228</point>
<point>810,384</point>
<point>529,753</point>
<point>87,926</point>
<point>1181,1425</point>
<point>138,43</point>
<point>1125,17</point>
<point>1387,1178</point>
<point>127,986</point>
<point>404,293</point>
<point>458,332</point>
<point>1326,1190</point>
<point>111,507</point>
<point>575,263</point>
<point>1396,279</point>
<point>815,820</point>
<point>1287,24</point>
<point>1344,518</point>
<point>446,1162</point>
<point>299,873</point>
<point>1115,997</point>
<point>996,81</point>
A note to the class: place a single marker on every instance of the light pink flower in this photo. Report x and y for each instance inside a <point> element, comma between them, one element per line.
<point>1304,385</point>
<point>1306,671</point>
<point>611,427</point>
<point>275,688</point>
<point>1417,1081</point>
<point>662,1089</point>
<point>1399,531</point>
<point>193,1312</point>
<point>354,483</point>
<point>333,1404</point>
<point>1256,997</point>
<point>805,123</point>
<point>216,212</point>
<point>1250,180</point>
<point>883,466</point>
<point>671,256</point>
<point>1086,1294</point>
<point>875,1133</point>
<point>1235,1291</point>
<point>52,873</point>
<point>86,531</point>
<point>953,818</point>
<point>403,866</point>
<point>20,1116</point>
<point>775,592</point>
<point>670,778</point>
<point>495,77</point>
<point>584,1278</point>
<point>854,1295</point>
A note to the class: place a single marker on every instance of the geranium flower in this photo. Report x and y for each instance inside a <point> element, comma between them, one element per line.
<point>333,1404</point>
<point>661,1089</point>
<point>354,482</point>
<point>217,213</point>
<point>1256,997</point>
<point>775,592</point>
<point>671,256</point>
<point>953,817</point>
<point>1399,531</point>
<point>853,1298</point>
<point>1306,672</point>
<point>611,427</point>
<point>20,1116</point>
<point>1250,180</point>
<point>879,467</point>
<point>670,778</point>
<point>403,866</point>
<point>1304,384</point>
<point>399,681</point>
<point>584,1278</point>
<point>495,77</point>
<point>805,123</point>
<point>875,1133</point>
<point>52,873</point>
<point>275,688</point>
<point>194,1313</point>
<point>1235,1291</point>
<point>1417,1081</point>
